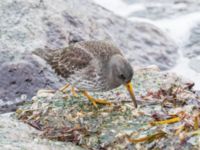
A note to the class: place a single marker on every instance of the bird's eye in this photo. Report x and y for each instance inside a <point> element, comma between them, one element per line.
<point>122,77</point>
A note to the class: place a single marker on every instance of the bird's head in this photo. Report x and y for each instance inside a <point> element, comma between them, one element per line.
<point>121,72</point>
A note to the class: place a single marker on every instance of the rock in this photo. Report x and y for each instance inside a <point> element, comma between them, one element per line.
<point>30,24</point>
<point>21,79</point>
<point>192,48</point>
<point>195,64</point>
<point>16,135</point>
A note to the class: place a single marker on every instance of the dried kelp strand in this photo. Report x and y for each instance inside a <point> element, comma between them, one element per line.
<point>148,138</point>
<point>167,121</point>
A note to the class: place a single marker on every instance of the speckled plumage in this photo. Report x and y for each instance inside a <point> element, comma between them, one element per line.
<point>86,65</point>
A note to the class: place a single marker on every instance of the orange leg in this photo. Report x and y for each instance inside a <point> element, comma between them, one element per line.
<point>63,89</point>
<point>95,101</point>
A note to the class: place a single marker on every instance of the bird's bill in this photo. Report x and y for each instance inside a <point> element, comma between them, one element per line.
<point>131,92</point>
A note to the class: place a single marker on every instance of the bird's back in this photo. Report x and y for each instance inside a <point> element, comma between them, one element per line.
<point>99,49</point>
<point>82,63</point>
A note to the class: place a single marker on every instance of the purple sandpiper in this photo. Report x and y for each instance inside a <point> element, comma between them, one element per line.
<point>93,66</point>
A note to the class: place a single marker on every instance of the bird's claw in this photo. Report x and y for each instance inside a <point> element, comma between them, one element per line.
<point>100,101</point>
<point>95,101</point>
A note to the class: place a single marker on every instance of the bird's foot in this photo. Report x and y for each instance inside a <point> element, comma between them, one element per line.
<point>63,89</point>
<point>101,101</point>
<point>95,101</point>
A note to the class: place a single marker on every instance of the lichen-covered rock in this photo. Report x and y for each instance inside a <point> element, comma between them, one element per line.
<point>165,103</point>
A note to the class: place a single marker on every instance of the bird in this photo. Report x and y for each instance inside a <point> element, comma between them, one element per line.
<point>91,66</point>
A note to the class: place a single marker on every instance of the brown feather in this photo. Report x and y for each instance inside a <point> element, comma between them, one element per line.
<point>68,60</point>
<point>100,49</point>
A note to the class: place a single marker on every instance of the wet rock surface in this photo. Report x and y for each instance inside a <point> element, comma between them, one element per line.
<point>29,24</point>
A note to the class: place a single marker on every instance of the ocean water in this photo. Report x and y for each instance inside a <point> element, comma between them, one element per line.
<point>177,27</point>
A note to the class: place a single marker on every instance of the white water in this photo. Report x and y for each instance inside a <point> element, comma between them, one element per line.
<point>177,28</point>
<point>119,7</point>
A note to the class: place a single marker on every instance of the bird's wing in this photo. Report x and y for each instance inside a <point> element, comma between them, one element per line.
<point>102,50</point>
<point>69,60</point>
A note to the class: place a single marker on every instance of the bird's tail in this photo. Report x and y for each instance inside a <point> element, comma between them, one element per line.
<point>43,53</point>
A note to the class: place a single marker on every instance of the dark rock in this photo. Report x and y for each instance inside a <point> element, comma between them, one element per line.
<point>24,78</point>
